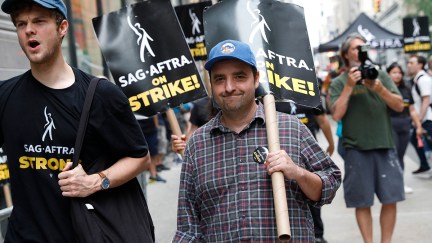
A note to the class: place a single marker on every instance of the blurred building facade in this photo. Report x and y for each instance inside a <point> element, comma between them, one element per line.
<point>85,53</point>
<point>339,14</point>
<point>86,49</point>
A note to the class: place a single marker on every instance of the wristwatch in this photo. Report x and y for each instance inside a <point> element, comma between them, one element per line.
<point>105,184</point>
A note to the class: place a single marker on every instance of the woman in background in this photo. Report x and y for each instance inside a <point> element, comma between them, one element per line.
<point>401,121</point>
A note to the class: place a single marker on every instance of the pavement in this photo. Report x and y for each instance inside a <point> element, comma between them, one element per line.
<point>414,217</point>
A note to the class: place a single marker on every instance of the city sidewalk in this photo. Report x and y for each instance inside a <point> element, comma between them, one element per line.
<point>414,219</point>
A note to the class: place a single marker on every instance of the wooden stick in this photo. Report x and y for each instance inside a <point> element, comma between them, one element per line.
<point>278,180</point>
<point>7,193</point>
<point>174,125</point>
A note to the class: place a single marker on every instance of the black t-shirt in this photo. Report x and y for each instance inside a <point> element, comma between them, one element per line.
<point>147,125</point>
<point>407,100</point>
<point>200,113</point>
<point>38,126</point>
<point>305,114</point>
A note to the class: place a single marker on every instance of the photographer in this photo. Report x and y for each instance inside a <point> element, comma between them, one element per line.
<point>361,97</point>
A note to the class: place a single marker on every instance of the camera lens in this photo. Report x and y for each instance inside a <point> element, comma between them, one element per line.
<point>371,73</point>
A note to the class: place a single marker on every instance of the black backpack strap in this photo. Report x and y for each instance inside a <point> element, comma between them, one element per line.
<point>417,88</point>
<point>83,120</point>
<point>415,84</point>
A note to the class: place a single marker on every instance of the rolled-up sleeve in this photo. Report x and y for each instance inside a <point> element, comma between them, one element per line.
<point>317,161</point>
<point>187,211</point>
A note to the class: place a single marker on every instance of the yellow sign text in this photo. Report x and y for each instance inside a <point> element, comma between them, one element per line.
<point>164,91</point>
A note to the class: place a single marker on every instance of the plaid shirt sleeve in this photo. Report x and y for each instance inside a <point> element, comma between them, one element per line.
<point>321,164</point>
<point>187,213</point>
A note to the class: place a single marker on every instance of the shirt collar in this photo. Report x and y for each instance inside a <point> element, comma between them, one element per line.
<point>217,127</point>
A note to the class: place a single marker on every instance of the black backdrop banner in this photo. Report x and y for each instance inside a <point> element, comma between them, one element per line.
<point>191,20</point>
<point>277,34</point>
<point>416,34</point>
<point>146,52</point>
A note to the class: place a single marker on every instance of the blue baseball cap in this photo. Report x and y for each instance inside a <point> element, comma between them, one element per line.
<point>9,5</point>
<point>230,49</point>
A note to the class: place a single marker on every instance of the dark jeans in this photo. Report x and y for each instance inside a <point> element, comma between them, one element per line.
<point>401,136</point>
<point>427,125</point>
<point>318,223</point>
<point>340,147</point>
<point>316,212</point>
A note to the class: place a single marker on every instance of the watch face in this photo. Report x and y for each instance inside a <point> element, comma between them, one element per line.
<point>105,183</point>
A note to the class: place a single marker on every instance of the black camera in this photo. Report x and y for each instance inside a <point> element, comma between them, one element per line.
<point>366,68</point>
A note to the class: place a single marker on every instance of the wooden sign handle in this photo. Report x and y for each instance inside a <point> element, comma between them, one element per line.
<point>278,180</point>
<point>7,194</point>
<point>174,125</point>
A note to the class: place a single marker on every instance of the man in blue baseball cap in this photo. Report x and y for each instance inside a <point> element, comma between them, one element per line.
<point>231,49</point>
<point>225,195</point>
<point>40,113</point>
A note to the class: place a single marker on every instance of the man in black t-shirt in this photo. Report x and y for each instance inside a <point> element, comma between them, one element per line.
<point>39,115</point>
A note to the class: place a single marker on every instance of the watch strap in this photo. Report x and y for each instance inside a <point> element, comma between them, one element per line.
<point>102,175</point>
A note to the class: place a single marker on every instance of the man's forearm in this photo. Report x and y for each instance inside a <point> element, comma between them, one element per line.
<point>394,101</point>
<point>310,184</point>
<point>126,169</point>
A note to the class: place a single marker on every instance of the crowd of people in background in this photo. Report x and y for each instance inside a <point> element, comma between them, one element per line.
<point>402,115</point>
<point>224,196</point>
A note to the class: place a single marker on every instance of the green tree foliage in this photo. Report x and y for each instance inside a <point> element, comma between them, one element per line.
<point>420,5</point>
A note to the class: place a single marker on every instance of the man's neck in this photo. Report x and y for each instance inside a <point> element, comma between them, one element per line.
<point>237,122</point>
<point>56,74</point>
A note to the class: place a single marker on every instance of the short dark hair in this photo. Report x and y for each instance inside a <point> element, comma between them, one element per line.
<point>26,5</point>
<point>346,45</point>
<point>422,60</point>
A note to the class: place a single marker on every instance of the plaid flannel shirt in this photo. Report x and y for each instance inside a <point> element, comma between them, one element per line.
<point>225,196</point>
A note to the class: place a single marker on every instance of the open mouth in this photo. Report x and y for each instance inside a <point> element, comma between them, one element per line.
<point>33,43</point>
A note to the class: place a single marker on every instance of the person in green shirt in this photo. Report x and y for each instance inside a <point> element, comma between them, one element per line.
<point>371,162</point>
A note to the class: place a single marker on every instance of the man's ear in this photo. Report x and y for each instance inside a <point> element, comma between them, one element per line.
<point>257,78</point>
<point>63,27</point>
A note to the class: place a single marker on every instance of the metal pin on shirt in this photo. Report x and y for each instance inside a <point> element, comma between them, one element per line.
<point>260,155</point>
